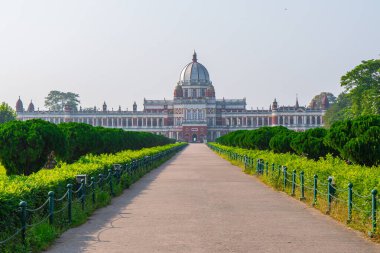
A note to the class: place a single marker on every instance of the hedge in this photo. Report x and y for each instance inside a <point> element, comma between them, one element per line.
<point>25,145</point>
<point>356,140</point>
<point>34,188</point>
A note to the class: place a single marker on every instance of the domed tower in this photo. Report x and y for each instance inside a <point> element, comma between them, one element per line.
<point>31,107</point>
<point>325,102</point>
<point>19,105</point>
<point>313,104</point>
<point>104,106</point>
<point>194,81</point>
<point>274,113</point>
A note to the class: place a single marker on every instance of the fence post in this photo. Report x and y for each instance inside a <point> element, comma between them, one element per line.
<point>23,205</point>
<point>111,185</point>
<point>285,177</point>
<point>93,186</point>
<point>302,179</point>
<point>294,183</point>
<point>374,207</point>
<point>279,170</point>
<point>272,168</point>
<point>51,207</point>
<point>69,199</point>
<point>349,216</point>
<point>329,180</point>
<point>266,168</point>
<point>315,190</point>
<point>101,181</point>
<point>245,162</point>
<point>83,193</point>
<point>258,167</point>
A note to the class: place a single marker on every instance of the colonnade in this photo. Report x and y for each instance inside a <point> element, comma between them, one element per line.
<point>116,122</point>
<point>257,121</point>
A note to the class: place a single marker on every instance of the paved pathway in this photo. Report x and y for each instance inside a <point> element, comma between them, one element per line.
<point>198,202</point>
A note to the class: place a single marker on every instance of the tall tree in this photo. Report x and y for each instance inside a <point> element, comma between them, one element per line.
<point>57,100</point>
<point>339,110</point>
<point>6,113</point>
<point>362,85</point>
<point>361,96</point>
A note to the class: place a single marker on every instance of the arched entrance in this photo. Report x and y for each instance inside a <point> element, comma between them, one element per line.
<point>194,138</point>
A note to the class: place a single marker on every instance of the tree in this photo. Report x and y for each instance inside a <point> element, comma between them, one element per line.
<point>57,100</point>
<point>280,143</point>
<point>361,96</point>
<point>25,145</point>
<point>362,85</point>
<point>311,143</point>
<point>6,113</point>
<point>339,110</point>
<point>357,140</point>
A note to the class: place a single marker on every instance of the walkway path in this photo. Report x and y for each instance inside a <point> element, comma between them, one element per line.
<point>198,202</point>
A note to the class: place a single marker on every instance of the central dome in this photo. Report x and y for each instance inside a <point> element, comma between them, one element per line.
<point>194,73</point>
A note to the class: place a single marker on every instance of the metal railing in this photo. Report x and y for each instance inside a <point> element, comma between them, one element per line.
<point>363,206</point>
<point>111,179</point>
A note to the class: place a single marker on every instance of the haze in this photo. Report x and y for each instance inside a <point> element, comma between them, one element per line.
<point>123,51</point>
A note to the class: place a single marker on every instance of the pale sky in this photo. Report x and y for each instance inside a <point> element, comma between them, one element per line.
<point>123,51</point>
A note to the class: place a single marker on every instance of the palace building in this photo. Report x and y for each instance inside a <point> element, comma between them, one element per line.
<point>194,114</point>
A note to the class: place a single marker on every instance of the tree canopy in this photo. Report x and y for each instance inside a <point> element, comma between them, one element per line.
<point>361,96</point>
<point>57,100</point>
<point>6,113</point>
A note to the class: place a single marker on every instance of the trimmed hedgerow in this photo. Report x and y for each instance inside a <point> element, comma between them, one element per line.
<point>25,145</point>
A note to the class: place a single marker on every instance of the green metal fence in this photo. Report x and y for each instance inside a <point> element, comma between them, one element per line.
<point>364,206</point>
<point>84,193</point>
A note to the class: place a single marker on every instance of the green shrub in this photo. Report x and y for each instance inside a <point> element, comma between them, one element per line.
<point>356,140</point>
<point>311,143</point>
<point>25,145</point>
<point>364,149</point>
<point>34,189</point>
<point>80,138</point>
<point>280,143</point>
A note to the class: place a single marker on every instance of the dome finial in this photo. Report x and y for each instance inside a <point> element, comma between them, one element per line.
<point>195,56</point>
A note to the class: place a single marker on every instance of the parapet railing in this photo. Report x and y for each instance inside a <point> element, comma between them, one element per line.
<point>362,206</point>
<point>83,192</point>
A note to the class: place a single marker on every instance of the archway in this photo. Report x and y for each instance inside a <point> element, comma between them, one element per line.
<point>194,138</point>
<point>187,138</point>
